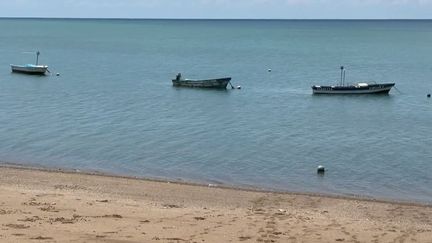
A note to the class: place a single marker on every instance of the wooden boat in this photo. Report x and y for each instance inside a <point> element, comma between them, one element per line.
<point>357,88</point>
<point>31,68</point>
<point>217,83</point>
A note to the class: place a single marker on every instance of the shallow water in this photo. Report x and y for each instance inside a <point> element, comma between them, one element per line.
<point>113,108</point>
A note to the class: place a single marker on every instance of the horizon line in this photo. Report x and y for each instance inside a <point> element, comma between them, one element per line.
<point>270,19</point>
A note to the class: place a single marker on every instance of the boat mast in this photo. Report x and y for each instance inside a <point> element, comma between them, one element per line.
<point>37,57</point>
<point>342,74</point>
<point>344,77</point>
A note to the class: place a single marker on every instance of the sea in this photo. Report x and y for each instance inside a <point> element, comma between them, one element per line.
<point>109,106</point>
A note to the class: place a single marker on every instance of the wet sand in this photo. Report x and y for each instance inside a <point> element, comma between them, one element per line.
<point>56,206</point>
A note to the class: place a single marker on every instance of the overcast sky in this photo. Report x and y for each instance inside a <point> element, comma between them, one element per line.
<point>255,9</point>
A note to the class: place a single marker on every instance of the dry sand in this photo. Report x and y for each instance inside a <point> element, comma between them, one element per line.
<point>49,206</point>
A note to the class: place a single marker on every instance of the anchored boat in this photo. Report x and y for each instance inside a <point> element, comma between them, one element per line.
<point>217,83</point>
<point>31,68</point>
<point>357,88</point>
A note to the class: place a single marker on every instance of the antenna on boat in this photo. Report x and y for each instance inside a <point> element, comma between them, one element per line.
<point>343,78</point>
<point>37,57</point>
<point>342,74</point>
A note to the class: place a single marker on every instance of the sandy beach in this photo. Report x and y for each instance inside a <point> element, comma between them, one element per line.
<point>59,206</point>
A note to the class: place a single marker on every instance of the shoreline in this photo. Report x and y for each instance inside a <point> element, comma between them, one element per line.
<point>220,185</point>
<point>62,206</point>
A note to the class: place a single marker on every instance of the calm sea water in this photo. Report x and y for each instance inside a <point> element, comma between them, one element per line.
<point>113,108</point>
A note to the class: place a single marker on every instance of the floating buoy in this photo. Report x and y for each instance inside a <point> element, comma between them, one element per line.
<point>428,95</point>
<point>320,169</point>
<point>239,87</point>
<point>57,74</point>
<point>269,70</point>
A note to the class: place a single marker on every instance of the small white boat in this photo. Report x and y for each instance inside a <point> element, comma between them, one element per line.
<point>31,68</point>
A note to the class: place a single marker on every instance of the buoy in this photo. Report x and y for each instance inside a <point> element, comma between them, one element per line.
<point>57,74</point>
<point>239,87</point>
<point>428,95</point>
<point>269,70</point>
<point>320,169</point>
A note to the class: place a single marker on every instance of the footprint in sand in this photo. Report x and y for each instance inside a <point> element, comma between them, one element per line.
<point>4,212</point>
<point>170,206</point>
<point>50,195</point>
<point>17,226</point>
<point>177,239</point>
<point>65,220</point>
<point>41,238</point>
<point>32,219</point>
<point>49,208</point>
<point>345,232</point>
<point>243,238</point>
<point>116,216</point>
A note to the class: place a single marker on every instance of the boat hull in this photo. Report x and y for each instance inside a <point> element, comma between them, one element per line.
<point>219,83</point>
<point>369,89</point>
<point>30,69</point>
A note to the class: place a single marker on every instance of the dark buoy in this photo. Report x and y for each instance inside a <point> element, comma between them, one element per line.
<point>239,87</point>
<point>269,70</point>
<point>57,74</point>
<point>428,95</point>
<point>320,169</point>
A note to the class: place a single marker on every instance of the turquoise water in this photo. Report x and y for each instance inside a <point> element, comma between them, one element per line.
<point>113,108</point>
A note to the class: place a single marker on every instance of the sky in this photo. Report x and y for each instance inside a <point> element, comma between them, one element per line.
<point>225,9</point>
